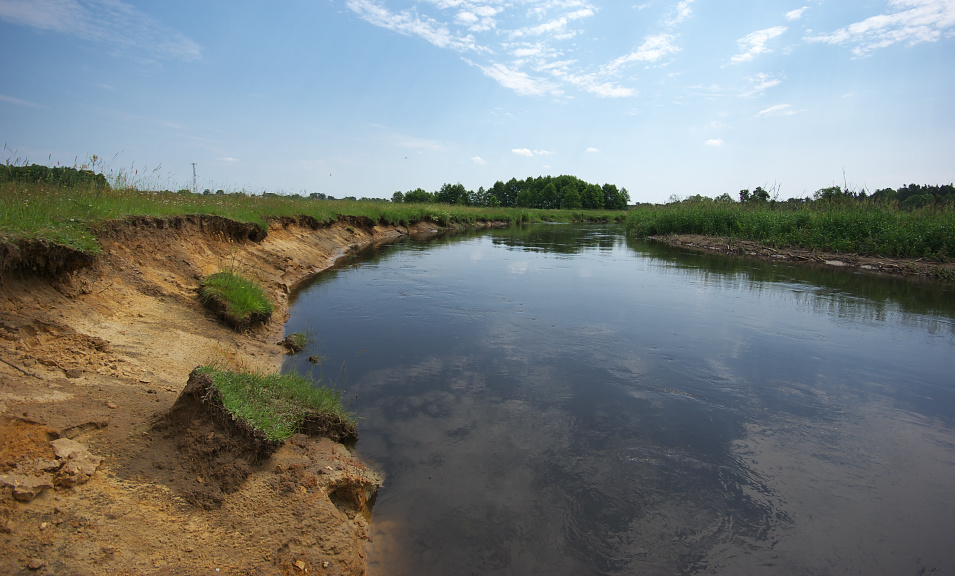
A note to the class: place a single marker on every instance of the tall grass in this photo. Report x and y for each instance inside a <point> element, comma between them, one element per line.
<point>69,216</point>
<point>867,228</point>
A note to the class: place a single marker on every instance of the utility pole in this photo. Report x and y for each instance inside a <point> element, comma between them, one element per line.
<point>194,189</point>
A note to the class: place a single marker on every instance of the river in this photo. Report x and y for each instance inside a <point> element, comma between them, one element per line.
<point>563,400</point>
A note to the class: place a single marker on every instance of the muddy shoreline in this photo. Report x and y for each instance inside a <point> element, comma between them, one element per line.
<point>910,267</point>
<point>97,351</point>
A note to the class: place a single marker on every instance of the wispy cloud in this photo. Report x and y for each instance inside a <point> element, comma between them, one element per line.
<point>759,83</point>
<point>478,160</point>
<point>777,110</point>
<point>653,49</point>
<point>796,14</point>
<point>114,23</point>
<point>527,152</point>
<point>593,150</point>
<point>534,47</point>
<point>518,81</point>
<point>681,13</point>
<point>715,142</point>
<point>19,102</point>
<point>912,22</point>
<point>409,22</point>
<point>754,44</point>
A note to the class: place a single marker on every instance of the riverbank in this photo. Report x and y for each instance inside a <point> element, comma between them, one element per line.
<point>912,267</point>
<point>98,351</point>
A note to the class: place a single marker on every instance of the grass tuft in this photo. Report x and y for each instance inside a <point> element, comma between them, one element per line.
<point>277,404</point>
<point>236,299</point>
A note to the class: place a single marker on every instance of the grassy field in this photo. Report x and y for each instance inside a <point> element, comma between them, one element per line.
<point>69,216</point>
<point>867,228</point>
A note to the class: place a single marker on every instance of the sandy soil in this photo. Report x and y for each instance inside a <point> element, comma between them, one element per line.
<point>100,354</point>
<point>872,264</point>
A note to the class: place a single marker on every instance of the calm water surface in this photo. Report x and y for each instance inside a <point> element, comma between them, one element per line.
<point>561,400</point>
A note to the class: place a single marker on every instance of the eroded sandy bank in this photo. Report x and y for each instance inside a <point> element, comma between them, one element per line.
<point>98,354</point>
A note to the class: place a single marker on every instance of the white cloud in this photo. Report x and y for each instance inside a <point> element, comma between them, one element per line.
<point>653,49</point>
<point>593,150</point>
<point>478,160</point>
<point>683,11</point>
<point>759,83</point>
<point>777,110</point>
<point>18,102</point>
<point>796,14</point>
<point>411,24</point>
<point>913,22</point>
<point>112,22</point>
<point>525,46</point>
<point>228,159</point>
<point>526,152</point>
<point>714,142</point>
<point>518,81</point>
<point>754,44</point>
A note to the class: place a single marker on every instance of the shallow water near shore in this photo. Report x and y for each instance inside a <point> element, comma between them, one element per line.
<point>559,399</point>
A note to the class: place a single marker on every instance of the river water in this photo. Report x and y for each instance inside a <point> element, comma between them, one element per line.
<point>563,400</point>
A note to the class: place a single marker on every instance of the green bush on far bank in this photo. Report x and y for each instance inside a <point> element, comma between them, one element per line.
<point>868,228</point>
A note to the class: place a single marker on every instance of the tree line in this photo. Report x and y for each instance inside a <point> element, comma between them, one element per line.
<point>64,177</point>
<point>554,192</point>
<point>908,197</point>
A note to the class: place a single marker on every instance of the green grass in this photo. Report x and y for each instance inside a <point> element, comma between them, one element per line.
<point>239,300</point>
<point>275,404</point>
<point>867,228</point>
<point>70,216</point>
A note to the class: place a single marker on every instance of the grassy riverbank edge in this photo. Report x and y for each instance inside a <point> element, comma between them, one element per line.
<point>869,229</point>
<point>72,217</point>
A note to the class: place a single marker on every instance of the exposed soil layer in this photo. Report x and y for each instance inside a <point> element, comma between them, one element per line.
<point>101,471</point>
<point>874,264</point>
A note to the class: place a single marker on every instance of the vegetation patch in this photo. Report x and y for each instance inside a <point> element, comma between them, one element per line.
<point>238,301</point>
<point>866,227</point>
<point>295,342</point>
<point>282,404</point>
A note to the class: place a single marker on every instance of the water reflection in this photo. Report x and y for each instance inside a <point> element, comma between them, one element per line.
<point>560,400</point>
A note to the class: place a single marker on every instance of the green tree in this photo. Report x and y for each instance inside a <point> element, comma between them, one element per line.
<point>418,196</point>
<point>571,199</point>
<point>398,197</point>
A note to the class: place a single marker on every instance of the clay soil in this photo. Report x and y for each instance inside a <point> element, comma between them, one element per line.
<point>914,267</point>
<point>98,350</point>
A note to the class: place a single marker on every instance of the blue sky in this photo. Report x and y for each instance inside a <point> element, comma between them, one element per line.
<point>366,97</point>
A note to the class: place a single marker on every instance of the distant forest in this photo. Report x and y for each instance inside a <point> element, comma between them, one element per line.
<point>909,197</point>
<point>564,192</point>
<point>56,176</point>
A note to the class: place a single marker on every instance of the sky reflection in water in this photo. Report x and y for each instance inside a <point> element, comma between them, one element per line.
<point>560,400</point>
